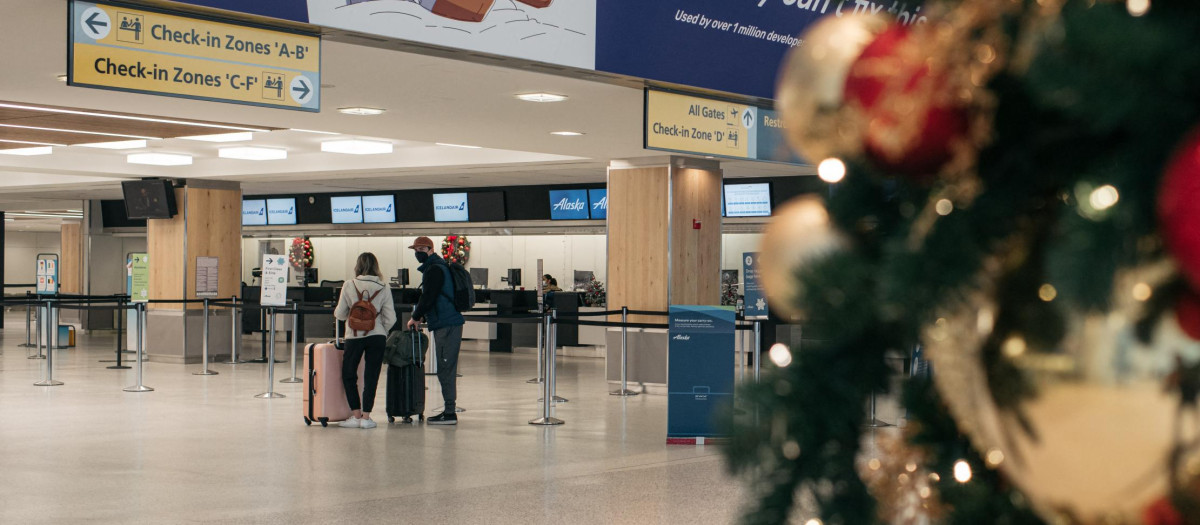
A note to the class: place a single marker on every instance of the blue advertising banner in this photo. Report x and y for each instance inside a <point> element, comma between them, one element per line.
<point>755,299</point>
<point>568,205</point>
<point>599,202</point>
<point>294,10</point>
<point>716,44</point>
<point>700,371</point>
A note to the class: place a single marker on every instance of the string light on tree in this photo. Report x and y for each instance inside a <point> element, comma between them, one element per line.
<point>831,170</point>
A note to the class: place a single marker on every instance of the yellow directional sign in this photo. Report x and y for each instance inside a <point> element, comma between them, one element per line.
<point>148,51</point>
<point>699,125</point>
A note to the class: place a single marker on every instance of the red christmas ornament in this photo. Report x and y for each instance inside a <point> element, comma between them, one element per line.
<point>1179,209</point>
<point>1161,512</point>
<point>912,118</point>
<point>1187,314</point>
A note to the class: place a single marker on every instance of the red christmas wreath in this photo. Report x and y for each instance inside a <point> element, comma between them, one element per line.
<point>456,249</point>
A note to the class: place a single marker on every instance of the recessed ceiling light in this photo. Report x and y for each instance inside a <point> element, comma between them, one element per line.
<point>313,131</point>
<point>457,145</point>
<point>356,146</point>
<point>252,153</point>
<point>566,133</point>
<point>128,117</point>
<point>239,136</point>
<point>541,97</point>
<point>361,111</point>
<point>36,150</point>
<point>75,131</point>
<point>62,77</point>
<point>159,159</point>
<point>120,144</point>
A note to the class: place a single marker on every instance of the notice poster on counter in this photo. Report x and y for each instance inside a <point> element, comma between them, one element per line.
<point>274,280</point>
<point>207,270</point>
<point>755,298</point>
<point>138,267</point>
<point>700,374</point>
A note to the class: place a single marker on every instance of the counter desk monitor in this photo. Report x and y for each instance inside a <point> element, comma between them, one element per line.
<point>479,277</point>
<point>514,278</point>
<point>582,278</point>
<point>401,278</point>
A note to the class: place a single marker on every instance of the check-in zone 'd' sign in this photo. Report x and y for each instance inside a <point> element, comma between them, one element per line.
<point>700,372</point>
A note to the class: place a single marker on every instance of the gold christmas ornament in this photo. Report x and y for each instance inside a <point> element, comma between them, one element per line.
<point>895,477</point>
<point>1110,422</point>
<point>809,94</point>
<point>800,232</point>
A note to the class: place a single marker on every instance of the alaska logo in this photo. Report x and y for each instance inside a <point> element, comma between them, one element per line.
<point>566,205</point>
<point>601,204</point>
<point>682,337</point>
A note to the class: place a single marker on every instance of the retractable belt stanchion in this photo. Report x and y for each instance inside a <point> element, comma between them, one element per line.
<point>551,351</point>
<point>297,327</point>
<point>38,322</point>
<point>541,348</point>
<point>204,358</point>
<point>234,339</point>
<point>624,391</point>
<point>28,319</point>
<point>548,384</point>
<point>50,347</point>
<point>120,335</point>
<point>270,393</point>
<point>140,312</point>
<point>757,350</point>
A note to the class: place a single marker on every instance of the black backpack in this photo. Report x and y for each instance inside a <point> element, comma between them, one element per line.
<point>464,289</point>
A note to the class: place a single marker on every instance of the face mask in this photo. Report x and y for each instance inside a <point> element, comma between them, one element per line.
<point>422,257</point>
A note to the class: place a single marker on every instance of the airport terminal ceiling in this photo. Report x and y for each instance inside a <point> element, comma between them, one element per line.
<point>428,100</point>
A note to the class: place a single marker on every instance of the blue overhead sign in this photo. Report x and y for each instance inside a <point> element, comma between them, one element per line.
<point>568,205</point>
<point>599,203</point>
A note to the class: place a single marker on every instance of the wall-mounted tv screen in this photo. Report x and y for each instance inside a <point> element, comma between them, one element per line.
<point>279,211</point>
<point>379,208</point>
<point>149,199</point>
<point>748,200</point>
<point>254,212</point>
<point>598,199</point>
<point>346,210</point>
<point>486,206</point>
<point>450,207</point>
<point>568,205</point>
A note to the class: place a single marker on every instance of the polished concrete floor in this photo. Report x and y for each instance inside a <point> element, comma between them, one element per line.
<point>204,449</point>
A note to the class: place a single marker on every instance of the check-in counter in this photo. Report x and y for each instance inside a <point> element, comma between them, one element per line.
<point>592,335</point>
<point>480,330</point>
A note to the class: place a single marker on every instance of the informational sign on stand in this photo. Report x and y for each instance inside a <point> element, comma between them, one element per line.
<point>207,271</point>
<point>47,274</point>
<point>139,277</point>
<point>274,280</point>
<point>755,299</point>
<point>700,373</point>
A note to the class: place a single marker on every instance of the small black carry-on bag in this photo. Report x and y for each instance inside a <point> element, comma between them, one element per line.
<point>405,355</point>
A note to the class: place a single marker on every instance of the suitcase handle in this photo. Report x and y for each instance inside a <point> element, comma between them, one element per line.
<point>313,383</point>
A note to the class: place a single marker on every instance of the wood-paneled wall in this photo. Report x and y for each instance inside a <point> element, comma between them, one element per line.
<point>638,201</point>
<point>695,253</point>
<point>209,224</point>
<point>70,263</point>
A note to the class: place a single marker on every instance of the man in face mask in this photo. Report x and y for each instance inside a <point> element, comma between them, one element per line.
<point>436,308</point>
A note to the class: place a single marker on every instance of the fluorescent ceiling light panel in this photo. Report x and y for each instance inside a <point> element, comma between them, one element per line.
<point>240,136</point>
<point>361,111</point>
<point>457,145</point>
<point>129,117</point>
<point>313,131</point>
<point>541,97</point>
<point>566,133</point>
<point>62,77</point>
<point>159,159</point>
<point>120,144</point>
<point>36,150</point>
<point>356,147</point>
<point>252,153</point>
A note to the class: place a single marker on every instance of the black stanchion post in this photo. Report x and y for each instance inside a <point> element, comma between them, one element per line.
<point>757,350</point>
<point>624,391</point>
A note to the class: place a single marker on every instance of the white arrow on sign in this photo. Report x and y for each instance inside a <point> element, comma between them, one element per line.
<point>95,23</point>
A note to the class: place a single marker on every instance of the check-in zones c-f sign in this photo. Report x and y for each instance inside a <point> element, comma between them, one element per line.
<point>173,54</point>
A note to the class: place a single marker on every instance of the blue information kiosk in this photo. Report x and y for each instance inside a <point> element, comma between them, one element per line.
<point>699,372</point>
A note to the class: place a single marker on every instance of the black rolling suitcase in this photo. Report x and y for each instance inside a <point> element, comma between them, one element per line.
<point>406,375</point>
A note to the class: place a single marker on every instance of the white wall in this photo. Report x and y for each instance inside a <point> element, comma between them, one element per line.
<point>20,253</point>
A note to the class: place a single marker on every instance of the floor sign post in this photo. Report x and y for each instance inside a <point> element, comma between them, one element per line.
<point>270,393</point>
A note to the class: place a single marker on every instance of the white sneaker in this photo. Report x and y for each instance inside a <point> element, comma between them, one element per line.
<point>367,423</point>
<point>353,422</point>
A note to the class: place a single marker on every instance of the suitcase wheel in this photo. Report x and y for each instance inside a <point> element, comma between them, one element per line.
<point>391,419</point>
<point>408,419</point>
<point>307,421</point>
<point>324,421</point>
<point>422,416</point>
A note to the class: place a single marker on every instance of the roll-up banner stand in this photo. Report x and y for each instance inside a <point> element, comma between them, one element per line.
<point>137,285</point>
<point>755,299</point>
<point>699,372</point>
<point>274,280</point>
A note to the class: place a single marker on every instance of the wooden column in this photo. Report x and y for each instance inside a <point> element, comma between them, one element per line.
<point>70,263</point>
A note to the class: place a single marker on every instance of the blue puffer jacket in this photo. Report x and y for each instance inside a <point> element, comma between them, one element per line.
<point>436,306</point>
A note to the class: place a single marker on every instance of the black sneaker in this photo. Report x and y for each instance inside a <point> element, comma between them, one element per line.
<point>447,418</point>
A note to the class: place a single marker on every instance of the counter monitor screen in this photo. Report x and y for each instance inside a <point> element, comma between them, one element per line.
<point>254,212</point>
<point>599,203</point>
<point>568,205</point>
<point>346,210</point>
<point>748,200</point>
<point>479,277</point>
<point>486,206</point>
<point>450,207</point>
<point>379,208</point>
<point>149,199</point>
<point>279,211</point>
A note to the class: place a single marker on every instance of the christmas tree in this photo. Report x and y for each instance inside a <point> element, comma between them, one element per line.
<point>1021,202</point>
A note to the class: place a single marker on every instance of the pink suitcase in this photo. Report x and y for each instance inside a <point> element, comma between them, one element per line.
<point>324,395</point>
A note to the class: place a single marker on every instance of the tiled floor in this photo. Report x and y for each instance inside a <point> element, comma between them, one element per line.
<point>203,449</point>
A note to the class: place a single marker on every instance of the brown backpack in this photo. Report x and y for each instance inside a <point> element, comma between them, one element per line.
<point>362,312</point>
